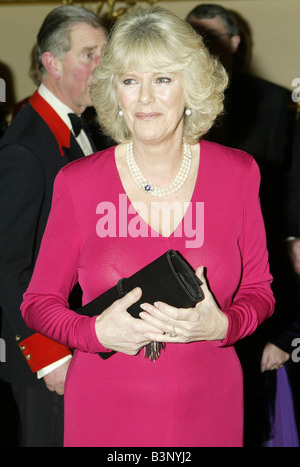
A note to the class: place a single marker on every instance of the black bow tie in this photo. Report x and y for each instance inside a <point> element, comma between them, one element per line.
<point>78,124</point>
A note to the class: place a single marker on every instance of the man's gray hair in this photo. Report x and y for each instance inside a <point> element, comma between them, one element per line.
<point>210,10</point>
<point>54,34</point>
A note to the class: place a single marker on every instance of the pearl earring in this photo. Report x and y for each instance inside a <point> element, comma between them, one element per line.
<point>188,112</point>
<point>121,113</point>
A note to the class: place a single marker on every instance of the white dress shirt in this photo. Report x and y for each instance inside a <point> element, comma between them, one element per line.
<point>63,110</point>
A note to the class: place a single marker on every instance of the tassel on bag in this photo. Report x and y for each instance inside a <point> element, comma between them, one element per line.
<point>153,350</point>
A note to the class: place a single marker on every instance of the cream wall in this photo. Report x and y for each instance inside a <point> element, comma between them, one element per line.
<point>274,25</point>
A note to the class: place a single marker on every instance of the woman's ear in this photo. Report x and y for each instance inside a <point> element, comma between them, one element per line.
<point>52,65</point>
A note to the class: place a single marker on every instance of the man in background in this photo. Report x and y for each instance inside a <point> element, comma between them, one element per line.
<point>256,120</point>
<point>47,134</point>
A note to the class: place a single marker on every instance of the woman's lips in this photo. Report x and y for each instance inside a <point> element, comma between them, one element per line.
<point>147,116</point>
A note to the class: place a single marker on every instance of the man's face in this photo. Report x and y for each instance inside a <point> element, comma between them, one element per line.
<point>76,66</point>
<point>217,39</point>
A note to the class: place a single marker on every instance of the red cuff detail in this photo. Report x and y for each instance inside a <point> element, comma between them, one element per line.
<point>40,351</point>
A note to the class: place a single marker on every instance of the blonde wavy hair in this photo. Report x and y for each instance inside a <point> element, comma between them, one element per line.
<point>154,39</point>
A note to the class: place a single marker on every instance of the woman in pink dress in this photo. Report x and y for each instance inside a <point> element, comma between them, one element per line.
<point>157,91</point>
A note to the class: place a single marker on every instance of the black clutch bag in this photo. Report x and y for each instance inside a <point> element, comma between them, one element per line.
<point>168,279</point>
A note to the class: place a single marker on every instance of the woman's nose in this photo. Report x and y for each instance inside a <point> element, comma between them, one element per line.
<point>146,93</point>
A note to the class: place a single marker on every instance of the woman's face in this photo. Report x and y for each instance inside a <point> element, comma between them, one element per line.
<point>152,103</point>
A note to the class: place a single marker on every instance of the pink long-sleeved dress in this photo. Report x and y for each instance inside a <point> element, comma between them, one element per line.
<point>192,395</point>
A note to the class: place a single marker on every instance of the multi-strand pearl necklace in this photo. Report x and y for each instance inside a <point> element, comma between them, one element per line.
<point>154,190</point>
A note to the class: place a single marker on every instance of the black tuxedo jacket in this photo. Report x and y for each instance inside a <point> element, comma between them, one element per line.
<point>32,151</point>
<point>254,118</point>
<point>293,187</point>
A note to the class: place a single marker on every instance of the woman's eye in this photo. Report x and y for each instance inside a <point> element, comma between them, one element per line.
<point>163,80</point>
<point>128,81</point>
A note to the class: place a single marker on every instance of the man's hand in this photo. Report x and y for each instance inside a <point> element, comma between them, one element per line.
<point>273,357</point>
<point>55,380</point>
<point>293,247</point>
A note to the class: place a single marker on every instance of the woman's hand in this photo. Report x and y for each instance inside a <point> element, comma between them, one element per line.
<point>117,330</point>
<point>203,322</point>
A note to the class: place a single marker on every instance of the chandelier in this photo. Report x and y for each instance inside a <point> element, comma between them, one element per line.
<point>113,13</point>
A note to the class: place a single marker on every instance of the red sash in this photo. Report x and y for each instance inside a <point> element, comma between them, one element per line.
<point>58,127</point>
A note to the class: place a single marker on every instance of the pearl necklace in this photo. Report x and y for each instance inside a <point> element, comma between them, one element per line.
<point>154,190</point>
